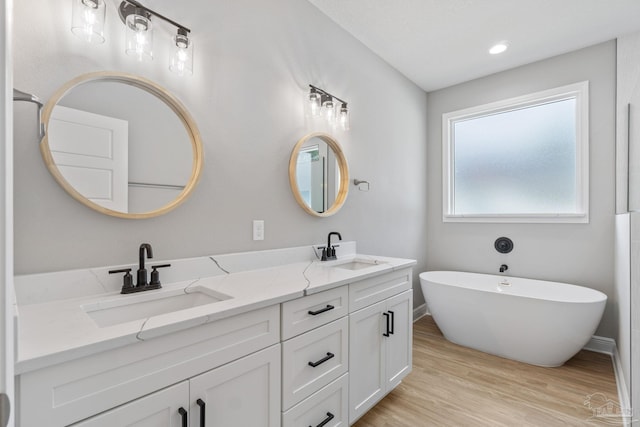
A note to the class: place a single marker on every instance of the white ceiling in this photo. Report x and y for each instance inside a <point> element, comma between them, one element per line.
<point>438,43</point>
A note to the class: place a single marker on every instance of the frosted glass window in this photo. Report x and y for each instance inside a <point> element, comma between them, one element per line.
<point>520,160</point>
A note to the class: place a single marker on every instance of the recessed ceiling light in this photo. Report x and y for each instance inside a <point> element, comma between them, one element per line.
<point>498,48</point>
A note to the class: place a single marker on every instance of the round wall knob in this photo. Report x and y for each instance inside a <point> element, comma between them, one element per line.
<point>504,245</point>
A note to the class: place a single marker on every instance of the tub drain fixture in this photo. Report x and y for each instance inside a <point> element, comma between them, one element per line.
<point>504,245</point>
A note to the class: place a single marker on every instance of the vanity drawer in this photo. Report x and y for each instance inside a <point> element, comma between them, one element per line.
<point>370,291</point>
<point>331,403</point>
<point>326,347</point>
<point>306,313</point>
<point>71,391</point>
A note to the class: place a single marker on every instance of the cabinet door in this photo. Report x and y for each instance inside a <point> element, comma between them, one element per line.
<point>366,359</point>
<point>399,343</point>
<point>159,409</point>
<point>245,392</point>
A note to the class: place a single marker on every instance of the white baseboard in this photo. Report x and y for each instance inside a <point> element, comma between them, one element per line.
<point>420,311</point>
<point>601,345</point>
<point>608,346</point>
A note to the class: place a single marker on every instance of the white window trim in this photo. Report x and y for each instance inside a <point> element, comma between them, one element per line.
<point>579,91</point>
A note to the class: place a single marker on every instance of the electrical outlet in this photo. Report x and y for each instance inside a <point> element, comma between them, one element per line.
<point>258,229</point>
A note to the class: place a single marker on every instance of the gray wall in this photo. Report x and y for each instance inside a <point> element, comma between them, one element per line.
<point>253,62</point>
<point>580,254</point>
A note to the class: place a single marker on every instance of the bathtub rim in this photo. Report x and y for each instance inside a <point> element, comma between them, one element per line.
<point>596,295</point>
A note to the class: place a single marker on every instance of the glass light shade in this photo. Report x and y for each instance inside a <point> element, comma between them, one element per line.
<point>343,118</point>
<point>181,61</point>
<point>330,111</point>
<point>87,21</point>
<point>139,37</point>
<point>314,103</point>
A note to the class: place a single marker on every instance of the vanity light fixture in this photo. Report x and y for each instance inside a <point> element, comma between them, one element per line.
<point>322,103</point>
<point>88,24</point>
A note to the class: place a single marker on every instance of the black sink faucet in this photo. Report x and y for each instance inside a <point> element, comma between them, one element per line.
<point>143,285</point>
<point>142,272</point>
<point>329,253</point>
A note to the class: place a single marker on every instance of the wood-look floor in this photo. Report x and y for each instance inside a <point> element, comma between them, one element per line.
<point>455,386</point>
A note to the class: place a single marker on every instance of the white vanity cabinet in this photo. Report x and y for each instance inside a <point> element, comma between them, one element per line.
<point>160,409</point>
<point>380,344</point>
<point>220,358</point>
<point>315,360</point>
<point>243,392</point>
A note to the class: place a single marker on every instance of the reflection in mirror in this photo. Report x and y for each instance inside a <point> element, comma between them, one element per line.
<point>121,145</point>
<point>318,174</point>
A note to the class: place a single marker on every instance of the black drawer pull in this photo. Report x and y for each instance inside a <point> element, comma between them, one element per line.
<point>321,361</point>
<point>201,404</point>
<point>393,323</point>
<point>183,414</point>
<point>386,334</point>
<point>330,416</point>
<point>322,310</point>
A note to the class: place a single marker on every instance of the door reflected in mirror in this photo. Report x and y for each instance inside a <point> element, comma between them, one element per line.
<point>318,174</point>
<point>121,145</point>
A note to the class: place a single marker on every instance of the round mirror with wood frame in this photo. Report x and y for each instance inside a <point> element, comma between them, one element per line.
<point>121,145</point>
<point>319,174</point>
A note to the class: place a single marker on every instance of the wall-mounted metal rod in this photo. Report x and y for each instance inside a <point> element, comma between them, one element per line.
<point>19,95</point>
<point>327,93</point>
<point>151,185</point>
<point>154,13</point>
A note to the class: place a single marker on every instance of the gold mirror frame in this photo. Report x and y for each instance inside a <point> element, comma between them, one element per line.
<point>342,165</point>
<point>152,88</point>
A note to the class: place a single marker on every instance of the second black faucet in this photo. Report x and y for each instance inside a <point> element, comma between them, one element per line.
<point>329,252</point>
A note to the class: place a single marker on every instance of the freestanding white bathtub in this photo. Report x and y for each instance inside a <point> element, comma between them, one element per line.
<point>532,321</point>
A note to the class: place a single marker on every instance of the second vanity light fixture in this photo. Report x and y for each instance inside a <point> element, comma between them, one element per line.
<point>88,24</point>
<point>322,103</point>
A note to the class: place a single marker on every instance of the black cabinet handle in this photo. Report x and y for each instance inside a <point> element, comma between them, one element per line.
<point>183,414</point>
<point>386,334</point>
<point>330,416</point>
<point>322,310</point>
<point>202,405</point>
<point>393,323</point>
<point>321,361</point>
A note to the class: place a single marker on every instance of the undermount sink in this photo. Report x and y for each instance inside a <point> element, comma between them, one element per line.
<point>357,264</point>
<point>126,308</point>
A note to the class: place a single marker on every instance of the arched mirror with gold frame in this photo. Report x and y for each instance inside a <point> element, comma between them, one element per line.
<point>319,174</point>
<point>121,145</point>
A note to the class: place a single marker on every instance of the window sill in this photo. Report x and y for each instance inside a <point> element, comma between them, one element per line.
<point>523,218</point>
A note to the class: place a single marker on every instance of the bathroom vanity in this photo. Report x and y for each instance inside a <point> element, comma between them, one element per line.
<point>264,339</point>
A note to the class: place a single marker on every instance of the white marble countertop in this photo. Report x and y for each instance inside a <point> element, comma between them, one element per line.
<point>61,330</point>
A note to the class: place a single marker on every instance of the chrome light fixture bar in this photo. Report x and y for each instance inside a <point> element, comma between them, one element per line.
<point>88,24</point>
<point>322,103</point>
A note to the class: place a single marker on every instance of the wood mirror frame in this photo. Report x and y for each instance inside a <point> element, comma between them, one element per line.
<point>151,88</point>
<point>341,160</point>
